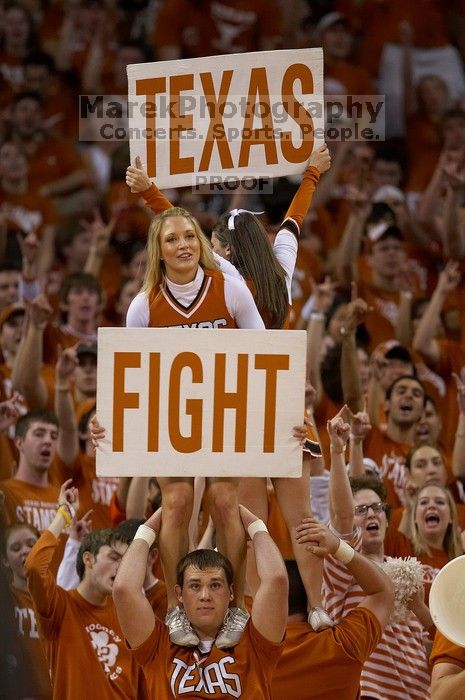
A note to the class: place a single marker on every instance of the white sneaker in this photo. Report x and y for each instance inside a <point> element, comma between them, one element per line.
<point>180,629</point>
<point>319,620</point>
<point>234,624</point>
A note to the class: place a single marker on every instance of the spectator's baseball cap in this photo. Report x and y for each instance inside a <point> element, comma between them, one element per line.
<point>388,193</point>
<point>329,20</point>
<point>86,349</point>
<point>10,311</point>
<point>384,230</point>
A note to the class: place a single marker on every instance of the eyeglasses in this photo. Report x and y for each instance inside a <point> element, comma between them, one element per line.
<point>375,507</point>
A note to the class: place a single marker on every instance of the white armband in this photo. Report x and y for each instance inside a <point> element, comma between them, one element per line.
<point>344,552</point>
<point>144,532</point>
<point>256,526</point>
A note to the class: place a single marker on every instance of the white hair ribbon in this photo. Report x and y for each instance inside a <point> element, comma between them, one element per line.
<point>235,212</point>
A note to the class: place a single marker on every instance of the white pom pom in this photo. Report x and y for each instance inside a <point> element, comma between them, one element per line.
<point>407,577</point>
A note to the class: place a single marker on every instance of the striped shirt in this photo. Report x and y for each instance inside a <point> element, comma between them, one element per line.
<point>398,667</point>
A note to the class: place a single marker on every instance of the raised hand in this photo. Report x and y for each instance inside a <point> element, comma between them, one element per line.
<point>9,412</point>
<point>97,431</point>
<point>460,391</point>
<point>321,159</point>
<point>40,311</point>
<point>100,232</point>
<point>80,528</point>
<point>316,537</point>
<point>324,294</point>
<point>69,498</point>
<point>155,521</point>
<point>339,429</point>
<point>360,425</point>
<point>247,517</point>
<point>449,278</point>
<point>66,364</point>
<point>136,177</point>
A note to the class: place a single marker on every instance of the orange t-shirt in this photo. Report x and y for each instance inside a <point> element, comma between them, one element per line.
<point>78,635</point>
<point>156,595</point>
<point>27,213</point>
<point>326,665</point>
<point>95,492</point>
<point>381,19</point>
<point>35,684</point>
<point>423,149</point>
<point>390,457</point>
<point>379,322</point>
<point>55,335</point>
<point>26,503</point>
<point>210,303</point>
<point>8,457</point>
<point>52,160</point>
<point>353,79</point>
<point>211,28</point>
<point>451,359</point>
<point>244,672</point>
<point>446,652</point>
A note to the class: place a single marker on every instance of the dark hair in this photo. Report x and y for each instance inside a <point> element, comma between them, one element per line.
<point>297,596</point>
<point>76,280</point>
<point>36,416</point>
<point>454,113</point>
<point>380,211</point>
<point>400,379</point>
<point>12,528</point>
<point>252,254</point>
<point>67,230</point>
<point>204,559</point>
<point>83,426</point>
<point>40,58</point>
<point>330,372</point>
<point>369,482</point>
<point>128,528</point>
<point>92,543</point>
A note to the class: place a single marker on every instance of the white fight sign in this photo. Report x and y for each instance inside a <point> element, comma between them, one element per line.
<point>187,402</point>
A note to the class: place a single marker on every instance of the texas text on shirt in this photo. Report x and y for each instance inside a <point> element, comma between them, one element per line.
<point>173,671</point>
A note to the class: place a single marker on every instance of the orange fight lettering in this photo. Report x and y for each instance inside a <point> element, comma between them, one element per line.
<point>213,679</point>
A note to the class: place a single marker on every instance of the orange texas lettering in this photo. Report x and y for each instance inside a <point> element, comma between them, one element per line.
<point>258,94</point>
<point>177,405</point>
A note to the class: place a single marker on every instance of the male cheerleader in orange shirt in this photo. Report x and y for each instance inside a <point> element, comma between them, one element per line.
<point>204,589</point>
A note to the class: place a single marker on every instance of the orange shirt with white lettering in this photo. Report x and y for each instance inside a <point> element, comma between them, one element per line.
<point>208,310</point>
<point>243,672</point>
<point>326,665</point>
<point>26,503</point>
<point>83,643</point>
<point>36,682</point>
<point>27,213</point>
